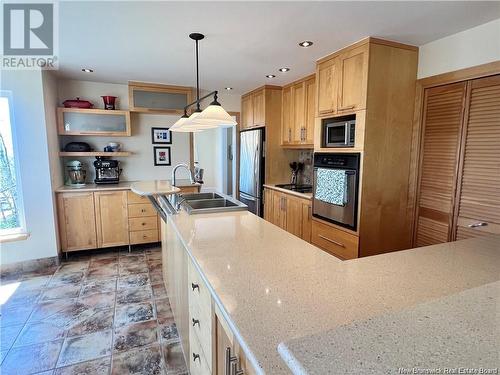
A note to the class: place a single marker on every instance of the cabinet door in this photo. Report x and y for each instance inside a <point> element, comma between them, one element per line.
<point>279,209</point>
<point>246,112</point>
<point>443,118</point>
<point>268,205</point>
<point>306,221</point>
<point>353,79</point>
<point>286,116</point>
<point>299,112</point>
<point>310,105</point>
<point>294,215</point>
<point>76,216</point>
<point>479,197</point>
<point>259,108</point>
<point>112,218</point>
<point>99,122</point>
<point>328,77</point>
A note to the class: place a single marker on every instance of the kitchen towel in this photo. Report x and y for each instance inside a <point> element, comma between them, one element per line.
<point>331,186</point>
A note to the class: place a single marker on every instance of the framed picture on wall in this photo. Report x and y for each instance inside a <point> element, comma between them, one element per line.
<point>162,156</point>
<point>161,136</point>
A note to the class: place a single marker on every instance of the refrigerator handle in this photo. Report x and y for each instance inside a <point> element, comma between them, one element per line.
<point>256,170</point>
<point>248,197</point>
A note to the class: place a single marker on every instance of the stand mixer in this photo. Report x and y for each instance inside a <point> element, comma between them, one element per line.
<point>76,173</point>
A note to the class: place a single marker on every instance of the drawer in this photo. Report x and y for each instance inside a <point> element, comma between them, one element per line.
<point>198,362</point>
<point>139,210</point>
<point>142,223</point>
<point>134,198</point>
<point>144,236</point>
<point>337,242</point>
<point>201,322</point>
<point>198,291</point>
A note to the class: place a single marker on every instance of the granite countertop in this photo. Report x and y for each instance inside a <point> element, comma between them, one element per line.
<point>291,192</point>
<point>122,185</point>
<point>275,288</point>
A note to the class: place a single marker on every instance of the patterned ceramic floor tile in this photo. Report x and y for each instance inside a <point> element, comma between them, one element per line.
<point>99,300</point>
<point>100,320</point>
<point>14,315</point>
<point>134,295</point>
<point>159,290</point>
<point>174,358</point>
<point>142,361</point>
<point>96,367</point>
<point>98,286</point>
<point>164,313</point>
<point>9,335</point>
<point>65,279</point>
<point>85,348</point>
<point>133,281</point>
<point>128,269</point>
<point>128,314</point>
<point>72,267</point>
<point>135,335</point>
<point>68,291</point>
<point>16,297</point>
<point>103,272</point>
<point>35,333</point>
<point>156,277</point>
<point>47,309</point>
<point>31,359</point>
<point>169,333</point>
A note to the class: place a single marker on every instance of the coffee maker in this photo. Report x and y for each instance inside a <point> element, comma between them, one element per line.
<point>106,171</point>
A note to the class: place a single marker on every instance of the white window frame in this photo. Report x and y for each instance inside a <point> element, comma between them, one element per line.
<point>15,145</point>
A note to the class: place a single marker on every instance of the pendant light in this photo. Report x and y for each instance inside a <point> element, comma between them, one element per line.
<point>212,117</point>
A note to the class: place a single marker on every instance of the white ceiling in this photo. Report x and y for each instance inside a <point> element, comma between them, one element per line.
<point>148,41</point>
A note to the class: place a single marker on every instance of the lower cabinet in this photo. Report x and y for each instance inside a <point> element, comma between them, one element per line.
<point>335,241</point>
<point>289,212</point>
<point>208,343</point>
<point>111,218</point>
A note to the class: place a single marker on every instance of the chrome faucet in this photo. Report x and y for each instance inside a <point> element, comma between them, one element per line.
<point>191,177</point>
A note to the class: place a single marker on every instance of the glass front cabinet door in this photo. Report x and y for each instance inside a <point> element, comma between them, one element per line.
<point>76,121</point>
<point>144,97</point>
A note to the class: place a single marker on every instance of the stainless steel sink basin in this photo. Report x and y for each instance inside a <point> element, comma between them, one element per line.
<point>202,203</point>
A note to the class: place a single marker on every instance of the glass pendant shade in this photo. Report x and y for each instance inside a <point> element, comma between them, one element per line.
<point>214,115</point>
<point>178,124</point>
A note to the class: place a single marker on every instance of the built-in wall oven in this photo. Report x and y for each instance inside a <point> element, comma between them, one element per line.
<point>335,190</point>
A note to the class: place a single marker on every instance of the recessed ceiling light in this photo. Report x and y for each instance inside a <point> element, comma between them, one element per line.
<point>87,70</point>
<point>270,76</point>
<point>284,70</point>
<point>228,88</point>
<point>306,43</point>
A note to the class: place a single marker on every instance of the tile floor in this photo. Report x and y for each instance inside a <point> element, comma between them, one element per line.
<point>103,313</point>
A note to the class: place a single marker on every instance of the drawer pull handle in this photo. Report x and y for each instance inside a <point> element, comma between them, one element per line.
<point>196,357</point>
<point>228,361</point>
<point>477,225</point>
<point>195,322</point>
<point>143,223</point>
<point>144,236</point>
<point>332,241</point>
<point>143,210</point>
<point>234,369</point>
<point>195,286</point>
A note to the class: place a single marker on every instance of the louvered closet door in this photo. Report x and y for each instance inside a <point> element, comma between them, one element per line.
<point>479,204</point>
<point>443,118</point>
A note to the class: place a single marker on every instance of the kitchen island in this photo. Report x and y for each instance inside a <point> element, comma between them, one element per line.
<point>275,291</point>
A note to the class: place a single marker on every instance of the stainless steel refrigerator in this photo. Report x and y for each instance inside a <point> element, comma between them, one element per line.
<point>252,169</point>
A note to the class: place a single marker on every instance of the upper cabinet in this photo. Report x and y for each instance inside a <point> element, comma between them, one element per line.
<point>101,122</point>
<point>298,112</point>
<point>256,106</point>
<point>155,98</point>
<point>342,81</point>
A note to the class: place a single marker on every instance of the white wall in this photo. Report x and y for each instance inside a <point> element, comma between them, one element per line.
<point>140,165</point>
<point>29,119</point>
<point>468,48</point>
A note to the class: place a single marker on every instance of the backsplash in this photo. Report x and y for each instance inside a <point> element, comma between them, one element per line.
<point>306,176</point>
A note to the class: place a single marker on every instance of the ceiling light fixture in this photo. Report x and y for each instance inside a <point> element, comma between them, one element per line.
<point>270,76</point>
<point>213,116</point>
<point>87,70</point>
<point>306,43</point>
<point>284,70</point>
<point>228,88</point>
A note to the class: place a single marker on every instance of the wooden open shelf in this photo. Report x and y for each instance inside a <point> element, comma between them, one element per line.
<point>95,153</point>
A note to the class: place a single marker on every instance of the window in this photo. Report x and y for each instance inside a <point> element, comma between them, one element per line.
<point>11,209</point>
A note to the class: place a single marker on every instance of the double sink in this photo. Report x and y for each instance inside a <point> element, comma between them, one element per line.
<point>201,203</point>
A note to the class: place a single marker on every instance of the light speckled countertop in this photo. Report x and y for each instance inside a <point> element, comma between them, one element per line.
<point>291,192</point>
<point>276,288</point>
<point>122,185</point>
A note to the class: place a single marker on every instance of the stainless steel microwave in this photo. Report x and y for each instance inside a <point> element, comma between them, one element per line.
<point>338,133</point>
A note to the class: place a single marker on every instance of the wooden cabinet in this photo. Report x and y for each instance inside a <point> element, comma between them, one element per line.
<point>353,79</point>
<point>459,180</point>
<point>335,241</point>
<point>98,122</point>
<point>288,212</point>
<point>77,223</point>
<point>253,109</point>
<point>142,219</point>
<point>156,98</point>
<point>298,113</point>
<point>327,76</point>
<point>111,218</point>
